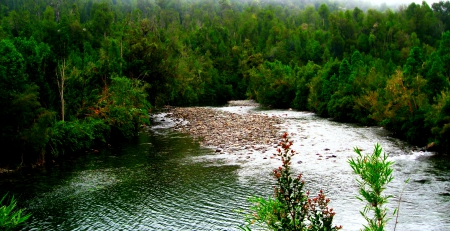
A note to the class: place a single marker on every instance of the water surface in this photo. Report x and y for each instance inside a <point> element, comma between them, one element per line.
<point>165,181</point>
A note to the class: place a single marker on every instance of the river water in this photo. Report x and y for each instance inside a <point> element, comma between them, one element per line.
<point>166,181</point>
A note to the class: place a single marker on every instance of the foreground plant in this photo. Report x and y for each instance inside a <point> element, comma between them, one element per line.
<point>375,172</point>
<point>291,208</point>
<point>10,217</point>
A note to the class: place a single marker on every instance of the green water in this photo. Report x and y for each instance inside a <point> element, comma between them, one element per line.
<point>153,184</point>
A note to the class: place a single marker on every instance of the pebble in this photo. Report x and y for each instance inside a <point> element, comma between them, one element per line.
<point>226,131</point>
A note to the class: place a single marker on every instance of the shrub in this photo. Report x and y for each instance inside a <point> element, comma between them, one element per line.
<point>77,135</point>
<point>291,208</point>
<point>10,217</point>
<point>375,172</point>
<point>123,107</point>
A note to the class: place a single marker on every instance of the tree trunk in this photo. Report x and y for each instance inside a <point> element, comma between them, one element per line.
<point>61,77</point>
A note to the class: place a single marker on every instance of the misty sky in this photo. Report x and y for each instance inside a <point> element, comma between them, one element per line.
<point>407,2</point>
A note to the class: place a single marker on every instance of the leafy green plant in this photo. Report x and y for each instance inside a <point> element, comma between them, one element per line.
<point>10,217</point>
<point>77,135</point>
<point>291,208</point>
<point>124,107</point>
<point>375,172</point>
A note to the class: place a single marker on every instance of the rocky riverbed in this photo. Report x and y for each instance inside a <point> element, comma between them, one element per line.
<point>240,133</point>
<point>228,132</point>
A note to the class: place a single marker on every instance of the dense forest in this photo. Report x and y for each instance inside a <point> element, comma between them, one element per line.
<point>80,73</point>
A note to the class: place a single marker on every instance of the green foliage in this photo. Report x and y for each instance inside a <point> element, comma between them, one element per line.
<point>344,72</point>
<point>414,63</point>
<point>375,172</point>
<point>438,118</point>
<point>403,107</point>
<point>324,13</point>
<point>12,65</point>
<point>10,216</point>
<point>36,57</point>
<point>337,46</point>
<point>291,209</point>
<point>303,77</point>
<point>77,135</point>
<point>341,106</point>
<point>314,51</point>
<point>437,81</point>
<point>124,107</point>
<point>323,86</point>
<point>344,90</point>
<point>102,17</point>
<point>119,113</point>
<point>263,211</point>
<point>273,84</point>
<point>23,127</point>
<point>444,50</point>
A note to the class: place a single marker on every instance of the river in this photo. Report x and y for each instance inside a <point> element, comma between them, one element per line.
<point>166,181</point>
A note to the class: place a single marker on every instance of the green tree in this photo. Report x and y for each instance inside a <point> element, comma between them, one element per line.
<point>363,42</point>
<point>439,120</point>
<point>444,51</point>
<point>123,106</point>
<point>19,23</point>
<point>314,50</point>
<point>413,65</point>
<point>324,13</point>
<point>304,76</point>
<point>337,45</point>
<point>403,108</point>
<point>274,84</point>
<point>441,11</point>
<point>342,101</point>
<point>102,18</point>
<point>356,60</point>
<point>322,87</point>
<point>36,60</point>
<point>344,71</point>
<point>24,121</point>
<point>437,81</point>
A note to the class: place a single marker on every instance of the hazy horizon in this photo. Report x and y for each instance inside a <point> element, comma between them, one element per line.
<point>378,2</point>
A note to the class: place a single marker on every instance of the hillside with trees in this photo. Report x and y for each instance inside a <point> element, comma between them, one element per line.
<point>80,73</point>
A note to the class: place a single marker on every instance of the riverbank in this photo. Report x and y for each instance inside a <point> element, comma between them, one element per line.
<point>225,132</point>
